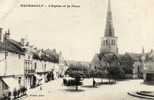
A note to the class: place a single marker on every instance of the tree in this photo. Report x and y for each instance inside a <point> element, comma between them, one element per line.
<point>126,63</point>
<point>98,66</point>
<point>75,71</point>
<point>77,75</point>
<point>116,73</point>
<point>112,64</point>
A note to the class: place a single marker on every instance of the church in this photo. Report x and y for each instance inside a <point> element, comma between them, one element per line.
<point>109,41</point>
<point>109,45</point>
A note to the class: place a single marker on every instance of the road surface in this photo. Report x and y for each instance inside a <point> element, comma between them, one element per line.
<point>54,90</point>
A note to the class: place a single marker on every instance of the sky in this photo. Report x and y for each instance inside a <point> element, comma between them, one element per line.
<point>77,32</point>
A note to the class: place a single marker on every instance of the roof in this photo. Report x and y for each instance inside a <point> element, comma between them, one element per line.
<point>135,56</point>
<point>12,46</point>
<point>109,30</point>
<point>16,47</point>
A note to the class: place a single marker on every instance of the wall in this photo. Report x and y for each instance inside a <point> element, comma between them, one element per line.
<point>149,66</point>
<point>148,69</point>
<point>3,88</point>
<point>14,63</point>
<point>2,64</point>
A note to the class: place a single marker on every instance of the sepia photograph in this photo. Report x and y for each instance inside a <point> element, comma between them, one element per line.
<point>76,50</point>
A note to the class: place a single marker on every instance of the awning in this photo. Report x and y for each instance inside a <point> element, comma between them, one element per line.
<point>12,83</point>
<point>38,77</point>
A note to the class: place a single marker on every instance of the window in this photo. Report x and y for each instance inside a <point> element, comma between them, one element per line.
<point>113,42</point>
<point>106,42</point>
<point>35,65</point>
<point>45,66</point>
<point>19,81</point>
<point>25,67</point>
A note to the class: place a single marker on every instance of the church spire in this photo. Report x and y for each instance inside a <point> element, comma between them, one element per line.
<point>109,29</point>
<point>109,41</point>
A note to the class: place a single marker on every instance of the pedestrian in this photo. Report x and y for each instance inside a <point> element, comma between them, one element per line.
<point>94,83</point>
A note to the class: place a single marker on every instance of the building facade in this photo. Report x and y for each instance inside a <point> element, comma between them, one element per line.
<point>22,65</point>
<point>11,64</point>
<point>148,73</point>
<point>148,67</point>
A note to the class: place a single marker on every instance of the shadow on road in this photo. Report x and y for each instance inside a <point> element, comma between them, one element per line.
<point>89,86</point>
<point>73,90</point>
<point>148,83</point>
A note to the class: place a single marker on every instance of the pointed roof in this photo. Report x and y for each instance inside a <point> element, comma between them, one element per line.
<point>109,30</point>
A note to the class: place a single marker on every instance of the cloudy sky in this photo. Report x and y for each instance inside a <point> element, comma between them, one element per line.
<point>77,32</point>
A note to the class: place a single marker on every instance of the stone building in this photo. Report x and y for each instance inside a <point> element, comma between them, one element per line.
<point>11,63</point>
<point>109,41</point>
<point>109,46</point>
<point>148,67</point>
<point>23,65</point>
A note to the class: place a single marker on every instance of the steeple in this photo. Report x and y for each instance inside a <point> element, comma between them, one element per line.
<point>109,41</point>
<point>109,29</point>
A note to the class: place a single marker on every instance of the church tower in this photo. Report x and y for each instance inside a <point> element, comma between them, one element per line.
<point>109,41</point>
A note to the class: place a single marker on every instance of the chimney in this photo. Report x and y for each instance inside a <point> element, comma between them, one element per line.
<point>7,34</point>
<point>22,41</point>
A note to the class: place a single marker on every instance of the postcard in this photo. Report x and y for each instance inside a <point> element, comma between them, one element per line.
<point>76,49</point>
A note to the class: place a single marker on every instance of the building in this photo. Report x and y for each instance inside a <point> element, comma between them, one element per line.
<point>29,69</point>
<point>62,65</point>
<point>4,89</point>
<point>148,74</point>
<point>148,67</point>
<point>109,41</point>
<point>24,66</point>
<point>109,45</point>
<point>41,67</point>
<point>11,63</point>
<point>137,64</point>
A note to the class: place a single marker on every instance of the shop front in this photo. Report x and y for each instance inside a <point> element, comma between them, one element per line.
<point>149,77</point>
<point>148,74</point>
<point>15,90</point>
<point>30,81</point>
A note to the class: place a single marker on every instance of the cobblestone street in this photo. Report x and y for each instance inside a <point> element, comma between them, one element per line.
<point>54,90</point>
